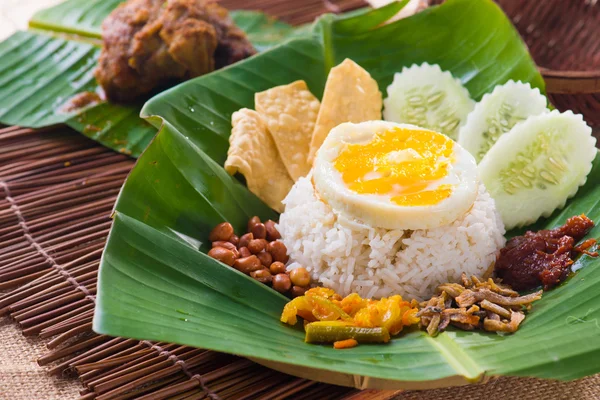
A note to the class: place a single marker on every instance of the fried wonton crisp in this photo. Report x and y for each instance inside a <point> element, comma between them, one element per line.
<point>351,95</point>
<point>253,153</point>
<point>290,112</point>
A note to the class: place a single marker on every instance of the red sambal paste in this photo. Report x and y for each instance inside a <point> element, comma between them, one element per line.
<point>543,257</point>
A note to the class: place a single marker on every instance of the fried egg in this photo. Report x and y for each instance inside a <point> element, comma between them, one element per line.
<point>395,176</point>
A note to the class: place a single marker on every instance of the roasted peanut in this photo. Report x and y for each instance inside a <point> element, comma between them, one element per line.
<point>228,246</point>
<point>234,240</point>
<point>277,267</point>
<point>244,252</point>
<point>222,254</point>
<point>259,231</point>
<point>282,283</point>
<point>278,251</point>
<point>298,291</point>
<point>300,276</point>
<point>272,232</point>
<point>265,258</point>
<point>253,221</point>
<point>245,239</point>
<point>247,264</point>
<point>256,246</point>
<point>262,275</point>
<point>221,232</point>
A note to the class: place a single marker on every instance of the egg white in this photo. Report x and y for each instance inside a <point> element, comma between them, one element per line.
<point>379,211</point>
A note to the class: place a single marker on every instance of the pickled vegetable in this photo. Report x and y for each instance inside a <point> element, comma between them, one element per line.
<point>391,313</point>
<point>328,318</point>
<point>316,304</point>
<point>334,331</point>
<point>345,344</point>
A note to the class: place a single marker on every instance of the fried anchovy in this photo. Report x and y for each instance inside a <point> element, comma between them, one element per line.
<point>429,310</point>
<point>469,297</point>
<point>495,308</point>
<point>453,289</point>
<point>498,326</point>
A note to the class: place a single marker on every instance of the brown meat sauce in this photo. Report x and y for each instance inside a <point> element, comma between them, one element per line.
<point>543,257</point>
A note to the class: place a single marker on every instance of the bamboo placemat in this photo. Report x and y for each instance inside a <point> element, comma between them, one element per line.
<point>57,189</point>
<point>57,193</point>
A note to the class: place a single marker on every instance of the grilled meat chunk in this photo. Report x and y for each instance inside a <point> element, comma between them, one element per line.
<point>151,44</point>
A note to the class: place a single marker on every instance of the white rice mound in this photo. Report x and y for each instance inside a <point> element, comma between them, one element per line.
<point>375,262</point>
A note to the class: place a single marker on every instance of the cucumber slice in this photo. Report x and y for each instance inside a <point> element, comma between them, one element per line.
<point>534,168</point>
<point>497,113</point>
<point>428,97</point>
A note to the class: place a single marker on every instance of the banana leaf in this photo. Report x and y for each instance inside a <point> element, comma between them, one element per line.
<point>80,17</point>
<point>157,283</point>
<point>45,66</point>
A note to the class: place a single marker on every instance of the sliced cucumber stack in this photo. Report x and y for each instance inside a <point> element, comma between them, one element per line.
<point>497,113</point>
<point>428,97</point>
<point>534,168</point>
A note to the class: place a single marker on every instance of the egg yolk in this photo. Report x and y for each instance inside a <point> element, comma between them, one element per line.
<point>400,162</point>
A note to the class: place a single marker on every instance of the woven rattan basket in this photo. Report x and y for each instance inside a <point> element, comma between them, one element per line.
<point>564,39</point>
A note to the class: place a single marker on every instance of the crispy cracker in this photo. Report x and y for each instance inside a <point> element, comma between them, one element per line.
<point>351,95</point>
<point>253,153</point>
<point>290,112</point>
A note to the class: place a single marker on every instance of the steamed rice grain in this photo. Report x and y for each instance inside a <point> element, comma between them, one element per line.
<point>373,262</point>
